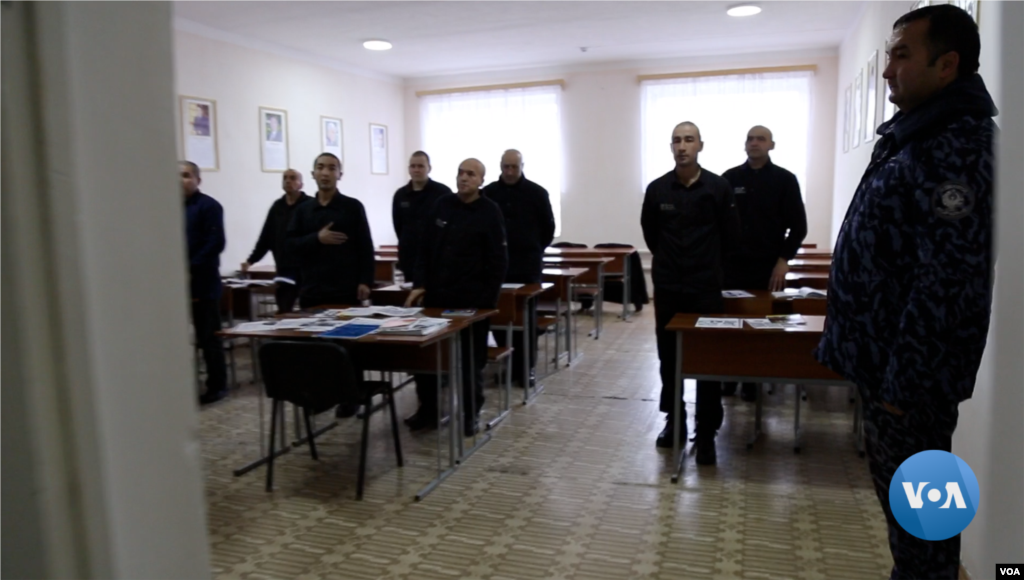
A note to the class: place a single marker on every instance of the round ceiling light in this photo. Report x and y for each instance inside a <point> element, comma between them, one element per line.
<point>743,10</point>
<point>377,45</point>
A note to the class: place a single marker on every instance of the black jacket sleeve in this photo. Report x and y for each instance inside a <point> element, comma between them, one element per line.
<point>302,243</point>
<point>212,220</point>
<point>266,239</point>
<point>795,218</point>
<point>496,256</point>
<point>649,220</point>
<point>425,257</point>
<point>728,220</point>
<point>396,217</point>
<point>546,217</point>
<point>364,248</point>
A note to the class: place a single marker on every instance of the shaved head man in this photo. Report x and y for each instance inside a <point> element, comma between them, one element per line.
<point>272,239</point>
<point>530,226</point>
<point>409,208</point>
<point>773,225</point>
<point>689,221</point>
<point>461,264</point>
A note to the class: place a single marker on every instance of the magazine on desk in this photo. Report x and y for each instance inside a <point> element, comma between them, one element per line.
<point>415,326</point>
<point>804,292</point>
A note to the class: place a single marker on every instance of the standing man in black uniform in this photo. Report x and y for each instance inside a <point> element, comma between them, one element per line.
<point>910,293</point>
<point>204,230</point>
<point>409,209</point>
<point>690,223</point>
<point>530,226</point>
<point>273,239</point>
<point>462,264</point>
<point>330,240</point>
<point>770,205</point>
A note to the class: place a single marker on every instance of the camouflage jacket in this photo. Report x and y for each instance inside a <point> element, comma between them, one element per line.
<point>910,292</point>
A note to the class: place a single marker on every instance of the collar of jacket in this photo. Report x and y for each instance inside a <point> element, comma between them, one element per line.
<point>962,97</point>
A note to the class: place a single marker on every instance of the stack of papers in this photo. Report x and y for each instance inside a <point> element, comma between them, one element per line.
<point>374,311</point>
<point>297,324</point>
<point>777,321</point>
<point>416,327</point>
<point>240,283</point>
<point>512,286</point>
<point>703,322</point>
<point>736,294</point>
<point>804,292</point>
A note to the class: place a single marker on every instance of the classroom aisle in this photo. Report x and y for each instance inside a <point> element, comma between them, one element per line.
<point>571,488</point>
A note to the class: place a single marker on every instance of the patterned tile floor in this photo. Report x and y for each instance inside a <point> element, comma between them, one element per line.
<point>570,487</point>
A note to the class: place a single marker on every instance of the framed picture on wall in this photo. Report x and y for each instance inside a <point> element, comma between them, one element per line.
<point>871,98</point>
<point>331,140</point>
<point>846,119</point>
<point>858,108</point>
<point>378,149</point>
<point>273,139</point>
<point>969,6</point>
<point>199,132</point>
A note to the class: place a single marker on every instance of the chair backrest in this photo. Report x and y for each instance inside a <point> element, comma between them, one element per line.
<point>567,245</point>
<point>613,245</point>
<point>317,375</point>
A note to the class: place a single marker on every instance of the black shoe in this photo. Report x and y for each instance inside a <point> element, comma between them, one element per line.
<point>706,454</point>
<point>470,426</point>
<point>728,389</point>
<point>422,420</point>
<point>749,392</point>
<point>212,396</point>
<point>345,411</point>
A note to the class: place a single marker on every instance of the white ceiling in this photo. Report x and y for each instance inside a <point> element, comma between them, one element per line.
<point>436,38</point>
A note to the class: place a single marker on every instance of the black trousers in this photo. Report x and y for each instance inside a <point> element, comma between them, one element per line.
<point>890,440</point>
<point>206,322</point>
<point>668,303</point>
<point>517,342</point>
<point>748,273</point>
<point>472,373</point>
<point>285,295</point>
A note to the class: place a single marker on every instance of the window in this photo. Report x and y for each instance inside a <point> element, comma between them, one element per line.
<point>484,124</point>
<point>725,108</point>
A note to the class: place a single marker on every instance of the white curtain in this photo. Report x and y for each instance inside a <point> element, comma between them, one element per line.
<point>725,108</point>
<point>484,124</point>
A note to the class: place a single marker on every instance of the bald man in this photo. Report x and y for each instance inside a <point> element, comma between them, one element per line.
<point>773,221</point>
<point>272,239</point>
<point>462,263</point>
<point>530,226</point>
<point>689,222</point>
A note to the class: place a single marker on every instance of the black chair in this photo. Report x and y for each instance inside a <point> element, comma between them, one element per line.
<point>318,376</point>
<point>614,290</point>
<point>567,245</point>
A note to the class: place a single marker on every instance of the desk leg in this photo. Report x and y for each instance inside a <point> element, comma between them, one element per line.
<point>506,391</point>
<point>442,474</point>
<point>625,288</point>
<point>481,440</point>
<point>528,329</point>
<point>758,409</point>
<point>677,402</point>
<point>796,420</point>
<point>858,422</point>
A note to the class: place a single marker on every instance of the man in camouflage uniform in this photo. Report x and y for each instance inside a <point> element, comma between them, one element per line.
<point>911,286</point>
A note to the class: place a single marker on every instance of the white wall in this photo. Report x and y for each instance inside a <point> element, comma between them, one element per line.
<point>94,289</point>
<point>990,435</point>
<point>601,133</point>
<point>241,80</point>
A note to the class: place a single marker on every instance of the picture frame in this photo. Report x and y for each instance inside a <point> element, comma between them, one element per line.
<point>858,108</point>
<point>273,134</point>
<point>378,149</point>
<point>199,132</point>
<point>847,121</point>
<point>332,136</point>
<point>871,98</point>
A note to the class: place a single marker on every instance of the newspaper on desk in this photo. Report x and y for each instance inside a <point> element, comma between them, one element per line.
<point>804,292</point>
<point>364,311</point>
<point>299,324</point>
<point>736,294</point>
<point>704,322</point>
<point>240,283</point>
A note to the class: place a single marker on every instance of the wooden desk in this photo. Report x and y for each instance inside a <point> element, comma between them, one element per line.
<point>513,308</point>
<point>763,304</point>
<point>810,265</point>
<point>563,279</point>
<point>384,270</point>
<point>263,271</point>
<point>773,356</point>
<point>813,253</point>
<point>593,277</point>
<point>619,266</point>
<point>816,280</point>
<point>390,353</point>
